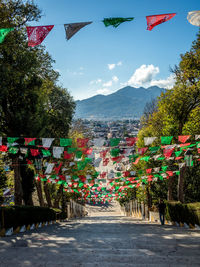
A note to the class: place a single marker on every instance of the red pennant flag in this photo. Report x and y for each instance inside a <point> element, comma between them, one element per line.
<point>136,162</point>
<point>67,156</point>
<point>131,141</point>
<point>142,150</point>
<point>170,173</point>
<point>81,142</point>
<point>29,141</point>
<point>155,20</point>
<point>186,144</point>
<point>183,138</point>
<point>103,153</point>
<point>126,173</point>
<point>37,34</point>
<point>148,171</point>
<point>168,152</point>
<point>35,152</point>
<point>57,169</point>
<point>103,175</point>
<point>105,161</point>
<point>118,159</point>
<point>3,148</point>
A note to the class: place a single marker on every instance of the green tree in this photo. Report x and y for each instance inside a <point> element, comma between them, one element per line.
<point>31,103</point>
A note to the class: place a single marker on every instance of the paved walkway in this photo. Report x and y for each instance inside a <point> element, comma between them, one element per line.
<point>103,239</point>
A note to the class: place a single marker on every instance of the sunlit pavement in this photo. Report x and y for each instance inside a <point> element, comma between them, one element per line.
<point>104,238</point>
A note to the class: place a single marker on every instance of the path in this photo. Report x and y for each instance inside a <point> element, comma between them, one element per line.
<point>102,240</point>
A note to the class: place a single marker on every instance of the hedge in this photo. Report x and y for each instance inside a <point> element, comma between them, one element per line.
<point>184,213</point>
<point>14,216</point>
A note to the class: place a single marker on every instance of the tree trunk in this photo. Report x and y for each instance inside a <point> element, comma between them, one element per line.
<point>180,190</point>
<point>39,192</point>
<point>47,194</point>
<point>58,197</point>
<point>170,189</point>
<point>17,181</point>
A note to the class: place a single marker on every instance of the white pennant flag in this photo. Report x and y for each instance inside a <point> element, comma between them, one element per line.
<point>46,142</point>
<point>149,140</point>
<point>197,136</point>
<point>98,142</point>
<point>49,168</point>
<point>0,141</point>
<point>156,169</point>
<point>194,17</point>
<point>181,165</point>
<point>73,28</point>
<point>57,151</point>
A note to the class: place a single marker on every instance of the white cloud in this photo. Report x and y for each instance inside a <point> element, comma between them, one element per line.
<point>144,74</point>
<point>96,81</point>
<point>115,79</point>
<point>167,83</point>
<point>113,65</point>
<point>103,91</point>
<point>107,84</point>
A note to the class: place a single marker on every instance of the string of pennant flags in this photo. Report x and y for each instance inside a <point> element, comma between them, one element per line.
<point>36,34</point>
<point>74,164</point>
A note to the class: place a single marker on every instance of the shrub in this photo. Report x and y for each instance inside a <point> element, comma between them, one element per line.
<point>14,216</point>
<point>184,213</point>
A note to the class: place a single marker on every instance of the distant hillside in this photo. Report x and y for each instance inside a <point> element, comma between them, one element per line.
<point>127,102</point>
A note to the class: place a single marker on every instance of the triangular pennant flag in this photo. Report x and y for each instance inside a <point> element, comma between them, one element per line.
<point>197,136</point>
<point>65,142</point>
<point>114,141</point>
<point>46,142</point>
<point>37,34</point>
<point>46,153</point>
<point>131,141</point>
<point>29,141</point>
<point>73,28</point>
<point>166,140</point>
<point>155,20</point>
<point>183,138</point>
<point>142,150</point>
<point>115,22</point>
<point>149,140</point>
<point>3,33</point>
<point>57,151</point>
<point>11,140</point>
<point>35,152</point>
<point>194,17</point>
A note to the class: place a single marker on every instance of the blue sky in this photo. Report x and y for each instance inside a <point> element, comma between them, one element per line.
<point>101,59</point>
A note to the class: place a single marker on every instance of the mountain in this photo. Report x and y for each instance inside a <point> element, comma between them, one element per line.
<point>127,102</point>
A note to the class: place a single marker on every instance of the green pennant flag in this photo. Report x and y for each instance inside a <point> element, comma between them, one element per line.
<point>70,150</point>
<point>177,153</point>
<point>3,33</point>
<point>65,142</point>
<point>79,154</point>
<point>198,144</point>
<point>145,158</point>
<point>46,153</point>
<point>114,141</point>
<point>114,152</point>
<point>81,165</point>
<point>161,158</point>
<point>115,22</point>
<point>177,172</point>
<point>154,149</point>
<point>166,140</point>
<point>11,140</point>
<point>13,150</point>
<point>164,168</point>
